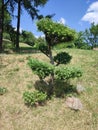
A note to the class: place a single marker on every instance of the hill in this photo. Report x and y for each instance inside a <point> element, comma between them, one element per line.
<point>16,76</point>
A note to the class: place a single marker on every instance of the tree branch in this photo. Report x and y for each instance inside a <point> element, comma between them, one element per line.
<point>6,3</point>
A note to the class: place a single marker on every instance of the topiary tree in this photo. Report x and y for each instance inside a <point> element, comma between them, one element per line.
<point>55,33</point>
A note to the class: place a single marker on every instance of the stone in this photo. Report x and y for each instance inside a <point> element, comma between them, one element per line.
<point>74,103</point>
<point>80,88</point>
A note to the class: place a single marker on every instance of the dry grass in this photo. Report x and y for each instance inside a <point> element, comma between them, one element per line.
<point>17,77</point>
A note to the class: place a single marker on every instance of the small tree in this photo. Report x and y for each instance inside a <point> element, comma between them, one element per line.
<point>54,33</point>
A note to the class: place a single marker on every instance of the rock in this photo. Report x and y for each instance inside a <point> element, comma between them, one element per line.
<point>74,103</point>
<point>80,88</point>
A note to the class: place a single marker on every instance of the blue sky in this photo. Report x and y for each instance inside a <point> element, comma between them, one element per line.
<point>77,14</point>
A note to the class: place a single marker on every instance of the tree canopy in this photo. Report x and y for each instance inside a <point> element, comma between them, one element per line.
<point>55,32</point>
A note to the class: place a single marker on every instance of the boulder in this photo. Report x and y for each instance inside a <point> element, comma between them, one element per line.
<point>74,103</point>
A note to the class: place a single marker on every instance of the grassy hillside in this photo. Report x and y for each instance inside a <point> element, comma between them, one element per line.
<point>16,76</point>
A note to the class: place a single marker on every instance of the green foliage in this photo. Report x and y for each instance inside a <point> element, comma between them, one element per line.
<point>6,36</point>
<point>33,98</point>
<point>64,45</point>
<point>7,44</point>
<point>91,36</point>
<point>94,35</point>
<point>44,48</point>
<point>2,90</point>
<point>55,32</point>
<point>11,32</point>
<point>62,58</point>
<point>80,42</point>
<point>39,41</point>
<point>67,73</point>
<point>42,69</point>
<point>27,37</point>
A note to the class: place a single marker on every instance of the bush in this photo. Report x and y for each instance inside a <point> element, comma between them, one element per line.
<point>42,69</point>
<point>67,73</point>
<point>62,58</point>
<point>2,90</point>
<point>34,98</point>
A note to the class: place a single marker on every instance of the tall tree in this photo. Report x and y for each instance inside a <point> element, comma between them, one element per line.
<point>18,24</point>
<point>31,7</point>
<point>4,5</point>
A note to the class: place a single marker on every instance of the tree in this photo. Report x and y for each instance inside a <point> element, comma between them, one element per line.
<point>81,41</point>
<point>7,5</point>
<point>94,35</point>
<point>55,33</point>
<point>27,37</point>
<point>31,7</point>
<point>91,35</point>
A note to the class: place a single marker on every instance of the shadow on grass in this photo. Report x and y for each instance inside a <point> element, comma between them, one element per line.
<point>9,48</point>
<point>26,50</point>
<point>21,50</point>
<point>61,89</point>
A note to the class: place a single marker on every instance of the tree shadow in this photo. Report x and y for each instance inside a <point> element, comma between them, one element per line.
<point>9,48</point>
<point>61,89</point>
<point>21,50</point>
<point>26,50</point>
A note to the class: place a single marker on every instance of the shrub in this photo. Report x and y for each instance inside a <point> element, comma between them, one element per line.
<point>42,69</point>
<point>62,58</point>
<point>67,73</point>
<point>34,98</point>
<point>2,90</point>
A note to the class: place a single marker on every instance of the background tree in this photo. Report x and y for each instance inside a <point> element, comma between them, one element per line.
<point>5,5</point>
<point>27,37</point>
<point>94,35</point>
<point>31,6</point>
<point>91,35</point>
<point>80,41</point>
<point>7,23</point>
<point>10,5</point>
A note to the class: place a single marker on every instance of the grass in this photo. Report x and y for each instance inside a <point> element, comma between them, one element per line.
<point>16,77</point>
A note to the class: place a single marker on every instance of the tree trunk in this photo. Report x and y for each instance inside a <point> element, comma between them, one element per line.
<point>52,75</point>
<point>1,23</point>
<point>18,24</point>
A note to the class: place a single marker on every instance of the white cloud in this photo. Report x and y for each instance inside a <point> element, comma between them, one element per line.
<point>42,36</point>
<point>62,21</point>
<point>92,13</point>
